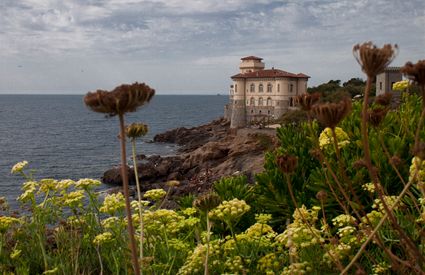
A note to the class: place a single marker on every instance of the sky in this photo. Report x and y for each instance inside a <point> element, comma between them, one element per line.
<point>192,46</point>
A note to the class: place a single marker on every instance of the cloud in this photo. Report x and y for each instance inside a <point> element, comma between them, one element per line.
<point>154,37</point>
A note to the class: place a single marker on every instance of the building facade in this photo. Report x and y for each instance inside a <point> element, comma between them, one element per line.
<point>386,79</point>
<point>261,94</point>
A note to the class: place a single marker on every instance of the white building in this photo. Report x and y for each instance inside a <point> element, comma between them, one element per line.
<point>258,93</point>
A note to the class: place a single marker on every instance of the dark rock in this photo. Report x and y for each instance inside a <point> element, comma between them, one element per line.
<point>113,176</point>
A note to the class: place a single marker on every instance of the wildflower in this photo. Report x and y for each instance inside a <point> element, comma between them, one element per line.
<point>263,218</point>
<point>73,199</point>
<point>65,184</point>
<point>338,252</point>
<point>178,245</point>
<point>269,262</point>
<point>326,138</point>
<point>258,230</point>
<point>287,163</point>
<point>306,101</point>
<point>6,222</point>
<point>417,170</point>
<point>112,222</point>
<point>135,204</point>
<point>75,221</point>
<point>47,185</point>
<point>415,72</point>
<point>330,114</point>
<point>230,210</point>
<point>162,220</point>
<point>29,188</point>
<point>389,201</point>
<point>400,86</point>
<point>190,211</point>
<point>297,268</point>
<point>123,99</point>
<point>18,167</point>
<point>136,130</point>
<point>369,187</point>
<point>155,194</point>
<point>103,238</point>
<point>372,59</point>
<point>373,216</point>
<point>113,203</point>
<point>15,253</point>
<point>343,220</point>
<point>87,183</point>
<point>381,268</point>
<point>207,202</point>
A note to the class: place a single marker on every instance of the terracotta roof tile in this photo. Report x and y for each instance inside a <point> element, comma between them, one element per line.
<point>269,74</point>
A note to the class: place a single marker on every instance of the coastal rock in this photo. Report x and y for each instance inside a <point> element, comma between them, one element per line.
<point>207,153</point>
<point>113,176</point>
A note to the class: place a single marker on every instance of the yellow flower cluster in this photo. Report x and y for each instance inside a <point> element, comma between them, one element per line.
<point>19,167</point>
<point>389,201</point>
<point>298,234</point>
<point>73,199</point>
<point>235,265</point>
<point>373,216</point>
<point>338,252</point>
<point>401,85</point>
<point>65,184</point>
<point>47,185</point>
<point>369,187</point>
<point>87,183</point>
<point>297,268</point>
<point>326,138</point>
<point>417,170</point>
<point>263,218</point>
<point>29,189</point>
<point>194,263</point>
<point>155,194</point>
<point>6,222</point>
<point>190,211</point>
<point>113,203</point>
<point>230,210</point>
<point>158,221</point>
<point>380,268</point>
<point>268,263</point>
<point>343,220</point>
<point>103,238</point>
<point>179,245</point>
<point>112,222</point>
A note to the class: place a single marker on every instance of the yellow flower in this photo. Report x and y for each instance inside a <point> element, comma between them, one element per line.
<point>103,238</point>
<point>74,199</point>
<point>113,203</point>
<point>47,185</point>
<point>17,168</point>
<point>87,183</point>
<point>326,138</point>
<point>401,85</point>
<point>155,194</point>
<point>230,210</point>
<point>6,222</point>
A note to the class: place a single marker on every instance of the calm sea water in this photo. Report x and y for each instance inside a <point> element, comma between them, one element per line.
<point>61,138</point>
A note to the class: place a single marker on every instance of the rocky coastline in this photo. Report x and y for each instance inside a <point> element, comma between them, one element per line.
<point>206,153</point>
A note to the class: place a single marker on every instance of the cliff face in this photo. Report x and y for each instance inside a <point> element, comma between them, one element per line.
<point>207,153</point>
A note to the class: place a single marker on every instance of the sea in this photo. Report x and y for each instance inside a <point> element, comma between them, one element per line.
<point>62,139</point>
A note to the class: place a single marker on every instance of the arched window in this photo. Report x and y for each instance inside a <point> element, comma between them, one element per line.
<point>278,87</point>
<point>291,88</point>
<point>260,88</point>
<point>269,88</point>
<point>269,101</point>
<point>260,101</point>
<point>252,88</point>
<point>236,88</point>
<point>252,101</point>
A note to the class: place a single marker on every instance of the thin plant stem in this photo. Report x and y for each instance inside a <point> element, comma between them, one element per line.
<point>100,260</point>
<point>206,271</point>
<point>124,177</point>
<point>139,197</point>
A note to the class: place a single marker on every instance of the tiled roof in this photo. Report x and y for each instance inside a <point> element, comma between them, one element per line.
<point>251,57</point>
<point>270,74</point>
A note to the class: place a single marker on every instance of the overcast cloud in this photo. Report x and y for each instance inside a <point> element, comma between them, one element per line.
<point>183,46</point>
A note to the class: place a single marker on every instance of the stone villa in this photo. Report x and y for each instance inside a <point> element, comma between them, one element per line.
<point>261,94</point>
<point>386,79</point>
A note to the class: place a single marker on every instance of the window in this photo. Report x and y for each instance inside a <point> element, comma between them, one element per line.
<point>269,101</point>
<point>252,88</point>
<point>260,101</point>
<point>380,85</point>
<point>269,88</point>
<point>291,102</point>
<point>252,101</point>
<point>236,88</point>
<point>278,87</point>
<point>260,88</point>
<point>291,88</point>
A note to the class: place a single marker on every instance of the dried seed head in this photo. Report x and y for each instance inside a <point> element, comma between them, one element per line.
<point>306,101</point>
<point>415,72</point>
<point>372,59</point>
<point>377,115</point>
<point>287,163</point>
<point>136,130</point>
<point>361,163</point>
<point>124,98</point>
<point>330,114</point>
<point>384,99</point>
<point>207,202</point>
<point>316,153</point>
<point>395,160</point>
<point>322,195</point>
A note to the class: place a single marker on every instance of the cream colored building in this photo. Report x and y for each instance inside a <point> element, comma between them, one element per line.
<point>258,93</point>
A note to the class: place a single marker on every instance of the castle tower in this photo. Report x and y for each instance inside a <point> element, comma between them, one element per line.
<point>238,118</point>
<point>386,79</point>
<point>251,64</point>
